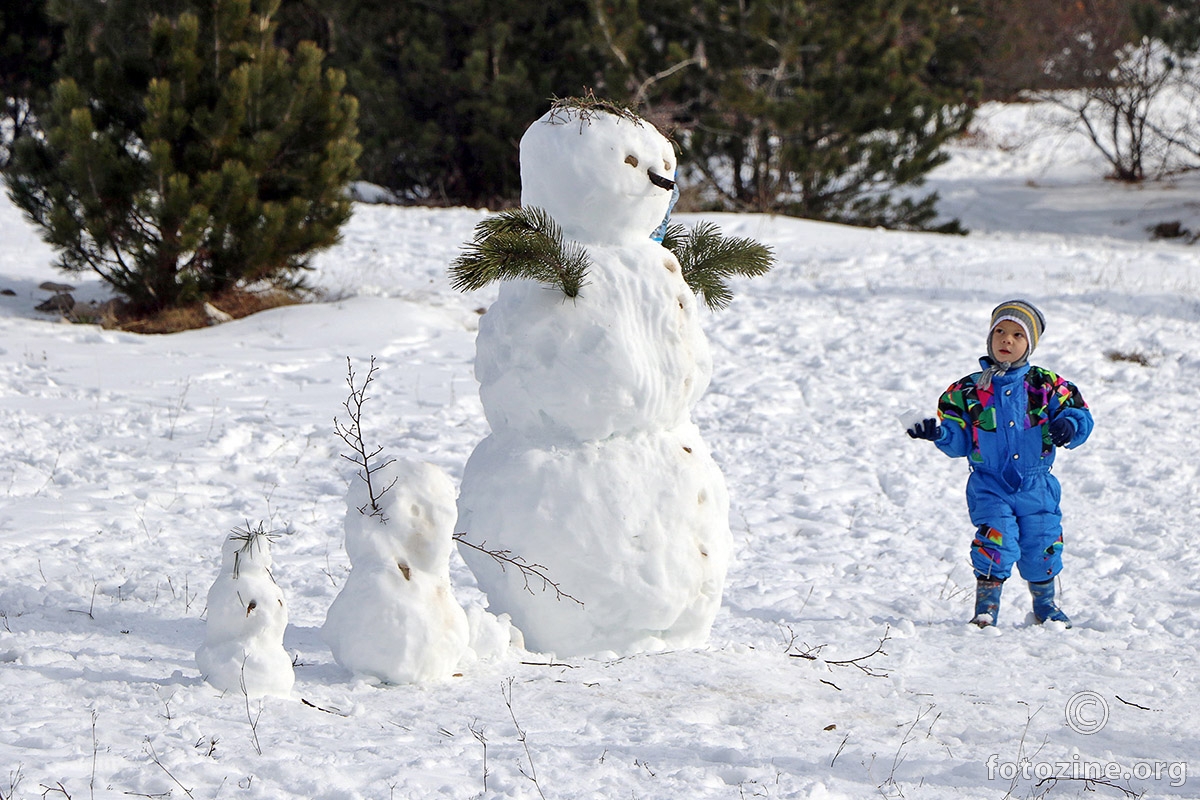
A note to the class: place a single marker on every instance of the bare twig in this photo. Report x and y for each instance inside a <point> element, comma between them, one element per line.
<point>91,607</point>
<point>95,750</point>
<point>506,557</point>
<point>807,597</point>
<point>365,458</point>
<point>50,475</point>
<point>149,748</point>
<point>1021,757</point>
<point>333,711</point>
<point>506,691</point>
<point>841,747</point>
<point>1135,705</point>
<point>166,701</point>
<point>951,590</point>
<point>174,411</point>
<point>899,756</point>
<point>57,787</point>
<point>791,637</point>
<point>479,737</point>
<point>814,654</point>
<point>1089,785</point>
<point>188,595</point>
<point>253,718</point>
<point>14,782</point>
<point>209,744</point>
<point>328,572</point>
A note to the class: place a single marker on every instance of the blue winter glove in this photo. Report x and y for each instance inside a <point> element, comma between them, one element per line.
<point>926,429</point>
<point>1061,431</point>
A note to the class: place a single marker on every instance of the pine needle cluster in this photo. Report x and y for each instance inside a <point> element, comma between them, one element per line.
<point>707,259</point>
<point>527,243</point>
<point>251,539</point>
<point>520,243</point>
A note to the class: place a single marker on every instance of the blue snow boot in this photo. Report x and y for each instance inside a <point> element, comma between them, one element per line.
<point>1044,607</point>
<point>987,601</point>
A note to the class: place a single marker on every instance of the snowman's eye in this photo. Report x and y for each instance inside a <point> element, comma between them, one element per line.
<point>631,160</point>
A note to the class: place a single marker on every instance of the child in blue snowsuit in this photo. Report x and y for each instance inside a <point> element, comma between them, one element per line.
<point>1007,421</point>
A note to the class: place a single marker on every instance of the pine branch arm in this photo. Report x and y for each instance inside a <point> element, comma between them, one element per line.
<point>523,243</point>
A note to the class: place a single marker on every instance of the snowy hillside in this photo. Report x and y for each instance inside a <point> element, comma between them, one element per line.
<point>840,663</point>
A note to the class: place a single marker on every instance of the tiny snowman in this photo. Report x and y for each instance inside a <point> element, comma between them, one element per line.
<point>589,363</point>
<point>243,642</point>
<point>396,618</point>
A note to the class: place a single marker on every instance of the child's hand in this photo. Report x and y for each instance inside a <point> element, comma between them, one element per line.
<point>1061,432</point>
<point>926,429</point>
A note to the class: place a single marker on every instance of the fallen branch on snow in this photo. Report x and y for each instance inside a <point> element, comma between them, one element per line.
<point>814,654</point>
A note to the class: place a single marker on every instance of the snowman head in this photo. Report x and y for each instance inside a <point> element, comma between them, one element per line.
<point>247,549</point>
<point>605,176</point>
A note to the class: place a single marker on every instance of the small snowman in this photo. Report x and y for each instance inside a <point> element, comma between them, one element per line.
<point>589,363</point>
<point>243,642</point>
<point>396,618</point>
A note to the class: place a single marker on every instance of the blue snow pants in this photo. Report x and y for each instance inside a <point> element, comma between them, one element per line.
<point>1018,521</point>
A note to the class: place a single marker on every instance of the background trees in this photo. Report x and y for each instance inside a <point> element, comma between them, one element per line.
<point>1138,95</point>
<point>29,44</point>
<point>184,153</point>
<point>190,146</point>
<point>446,88</point>
<point>1032,45</point>
<point>818,109</point>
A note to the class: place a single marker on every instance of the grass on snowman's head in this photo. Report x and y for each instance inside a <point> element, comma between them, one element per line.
<point>569,109</point>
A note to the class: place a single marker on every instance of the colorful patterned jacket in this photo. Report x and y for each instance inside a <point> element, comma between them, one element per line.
<point>1007,425</point>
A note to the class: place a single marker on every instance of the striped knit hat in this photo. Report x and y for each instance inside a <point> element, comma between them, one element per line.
<point>1024,314</point>
<point>1031,321</point>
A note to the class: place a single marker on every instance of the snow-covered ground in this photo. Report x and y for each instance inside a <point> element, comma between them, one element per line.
<point>840,664</point>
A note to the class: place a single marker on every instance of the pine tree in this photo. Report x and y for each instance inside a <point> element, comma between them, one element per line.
<point>447,89</point>
<point>29,43</point>
<point>821,109</point>
<point>185,153</point>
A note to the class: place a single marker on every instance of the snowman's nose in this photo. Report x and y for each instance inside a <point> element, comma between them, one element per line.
<point>661,182</point>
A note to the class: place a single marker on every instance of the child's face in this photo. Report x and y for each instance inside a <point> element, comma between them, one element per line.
<point>1008,341</point>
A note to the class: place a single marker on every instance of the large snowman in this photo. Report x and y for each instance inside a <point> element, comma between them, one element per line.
<point>594,470</point>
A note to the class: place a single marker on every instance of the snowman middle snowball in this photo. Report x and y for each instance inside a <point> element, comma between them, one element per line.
<point>593,469</point>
